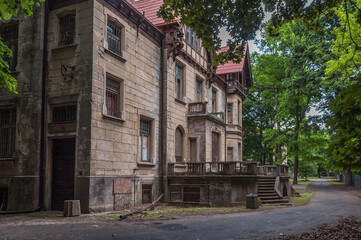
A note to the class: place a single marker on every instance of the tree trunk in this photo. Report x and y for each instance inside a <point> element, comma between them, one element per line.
<point>278,124</point>
<point>348,177</point>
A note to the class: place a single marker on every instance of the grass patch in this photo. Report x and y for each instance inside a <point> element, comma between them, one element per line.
<point>336,182</point>
<point>302,182</point>
<point>303,200</point>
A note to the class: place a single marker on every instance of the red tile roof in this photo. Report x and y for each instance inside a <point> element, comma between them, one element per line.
<point>231,67</point>
<point>150,9</point>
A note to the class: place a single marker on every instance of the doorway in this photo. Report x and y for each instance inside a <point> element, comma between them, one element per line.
<point>63,172</point>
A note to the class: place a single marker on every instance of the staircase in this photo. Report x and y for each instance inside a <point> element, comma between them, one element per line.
<point>266,192</point>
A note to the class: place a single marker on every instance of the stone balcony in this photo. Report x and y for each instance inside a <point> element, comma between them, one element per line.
<point>199,109</point>
<point>236,87</point>
<point>236,168</point>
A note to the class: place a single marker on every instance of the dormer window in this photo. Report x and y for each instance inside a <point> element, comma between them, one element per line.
<point>114,36</point>
<point>231,77</point>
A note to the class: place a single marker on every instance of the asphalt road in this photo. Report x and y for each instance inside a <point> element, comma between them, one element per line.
<point>327,205</point>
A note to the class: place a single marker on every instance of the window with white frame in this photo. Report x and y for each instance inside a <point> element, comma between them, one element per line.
<point>145,140</point>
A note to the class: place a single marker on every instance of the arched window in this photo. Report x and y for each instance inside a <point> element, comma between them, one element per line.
<point>178,145</point>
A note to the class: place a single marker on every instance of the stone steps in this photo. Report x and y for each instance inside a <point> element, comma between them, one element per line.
<point>266,192</point>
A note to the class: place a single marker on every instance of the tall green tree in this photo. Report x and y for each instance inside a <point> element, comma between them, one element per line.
<point>345,120</point>
<point>9,9</point>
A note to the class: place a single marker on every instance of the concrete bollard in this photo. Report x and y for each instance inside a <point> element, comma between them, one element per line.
<point>71,208</point>
<point>252,201</point>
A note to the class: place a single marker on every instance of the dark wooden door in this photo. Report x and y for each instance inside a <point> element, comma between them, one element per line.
<point>215,147</point>
<point>191,194</point>
<point>63,172</point>
<point>193,149</point>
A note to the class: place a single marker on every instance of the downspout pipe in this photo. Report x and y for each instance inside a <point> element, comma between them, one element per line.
<point>163,120</point>
<point>43,106</point>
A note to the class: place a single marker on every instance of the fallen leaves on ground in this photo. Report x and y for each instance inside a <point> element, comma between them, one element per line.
<point>349,229</point>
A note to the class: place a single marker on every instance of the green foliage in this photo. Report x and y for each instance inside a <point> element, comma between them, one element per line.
<point>308,169</point>
<point>241,18</point>
<point>8,9</point>
<point>346,122</point>
<point>347,46</point>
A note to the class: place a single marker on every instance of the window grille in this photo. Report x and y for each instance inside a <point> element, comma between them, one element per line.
<point>63,114</point>
<point>7,132</point>
<point>67,30</point>
<point>114,36</point>
<point>10,35</point>
<point>113,98</point>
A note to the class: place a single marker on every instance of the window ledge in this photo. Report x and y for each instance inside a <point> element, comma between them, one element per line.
<point>180,101</point>
<point>150,164</point>
<point>113,118</point>
<point>65,47</point>
<point>117,56</point>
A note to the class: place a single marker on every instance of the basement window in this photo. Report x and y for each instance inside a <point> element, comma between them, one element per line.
<point>7,132</point>
<point>146,193</point>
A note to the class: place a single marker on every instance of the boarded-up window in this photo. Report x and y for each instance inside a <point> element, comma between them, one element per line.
<point>63,114</point>
<point>114,32</point>
<point>179,82</point>
<point>239,152</point>
<point>230,154</point>
<point>198,90</point>
<point>146,193</point>
<point>113,97</point>
<point>193,149</point>
<point>67,30</point>
<point>229,112</point>
<point>7,132</point>
<point>9,35</point>
<point>178,145</point>
<point>3,199</point>
<point>144,140</point>
<point>191,194</point>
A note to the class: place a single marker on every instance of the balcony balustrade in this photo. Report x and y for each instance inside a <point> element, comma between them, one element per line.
<point>200,109</point>
<point>225,168</point>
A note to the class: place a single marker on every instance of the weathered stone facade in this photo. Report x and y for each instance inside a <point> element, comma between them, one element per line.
<point>109,102</point>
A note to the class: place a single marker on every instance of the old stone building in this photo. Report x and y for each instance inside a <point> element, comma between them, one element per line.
<point>116,107</point>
